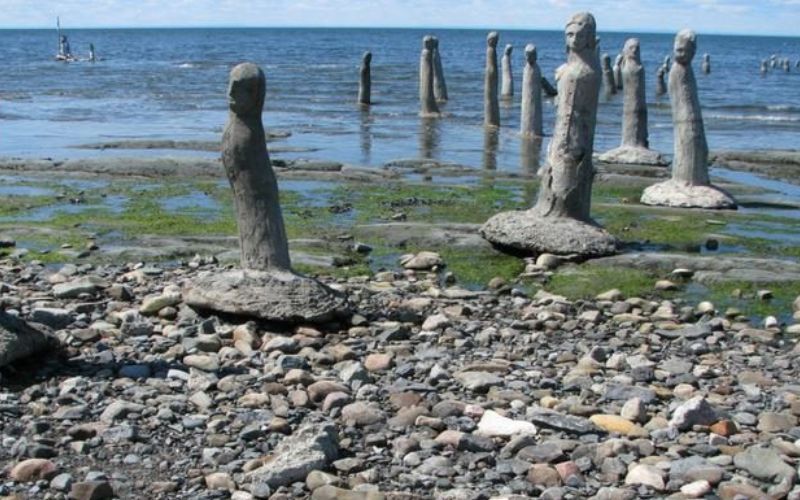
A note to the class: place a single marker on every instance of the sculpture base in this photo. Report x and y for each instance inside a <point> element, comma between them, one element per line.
<point>528,233</point>
<point>278,296</point>
<point>632,155</point>
<point>677,194</point>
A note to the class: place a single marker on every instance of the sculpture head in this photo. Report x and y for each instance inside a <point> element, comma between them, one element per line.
<point>427,42</point>
<point>606,60</point>
<point>508,49</point>
<point>707,58</point>
<point>366,58</point>
<point>618,59</point>
<point>685,47</point>
<point>632,50</point>
<point>491,39</point>
<point>581,33</point>
<point>530,54</point>
<point>435,42</point>
<point>247,89</point>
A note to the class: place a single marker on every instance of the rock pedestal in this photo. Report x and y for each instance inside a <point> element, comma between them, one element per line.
<point>507,89</point>
<point>365,81</point>
<point>531,108</point>
<point>439,83</point>
<point>427,99</point>
<point>560,222</point>
<point>635,144</point>
<point>689,186</point>
<point>265,287</point>
<point>491,106</point>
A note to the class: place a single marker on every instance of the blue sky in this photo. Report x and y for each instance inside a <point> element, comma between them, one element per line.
<point>763,17</point>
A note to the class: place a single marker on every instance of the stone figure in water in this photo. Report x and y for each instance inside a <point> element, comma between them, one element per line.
<point>667,63</point>
<point>560,222</point>
<point>635,144</point>
<point>365,80</point>
<point>265,287</point>
<point>548,88</point>
<point>609,85</point>
<point>706,66</point>
<point>764,67</point>
<point>92,56</point>
<point>439,83</point>
<point>661,85</point>
<point>507,88</point>
<point>531,109</point>
<point>618,71</point>
<point>64,50</point>
<point>491,107</point>
<point>427,100</point>
<point>689,185</point>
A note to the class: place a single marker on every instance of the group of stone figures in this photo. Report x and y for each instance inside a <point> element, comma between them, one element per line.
<point>777,63</point>
<point>560,221</point>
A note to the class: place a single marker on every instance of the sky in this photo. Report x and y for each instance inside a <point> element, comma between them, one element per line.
<point>756,17</point>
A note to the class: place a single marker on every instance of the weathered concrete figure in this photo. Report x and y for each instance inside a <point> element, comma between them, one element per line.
<point>427,100</point>
<point>92,56</point>
<point>265,287</point>
<point>618,71</point>
<point>439,83</point>
<point>560,222</point>
<point>661,84</point>
<point>635,144</point>
<point>491,107</point>
<point>609,85</point>
<point>531,109</point>
<point>690,185</point>
<point>667,63</point>
<point>764,67</point>
<point>548,88</point>
<point>365,80</point>
<point>706,66</point>
<point>507,88</point>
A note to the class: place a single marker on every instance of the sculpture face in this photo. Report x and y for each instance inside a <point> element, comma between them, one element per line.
<point>492,38</point>
<point>246,89</point>
<point>427,42</point>
<point>685,47</point>
<point>367,57</point>
<point>581,32</point>
<point>530,54</point>
<point>632,49</point>
<point>508,50</point>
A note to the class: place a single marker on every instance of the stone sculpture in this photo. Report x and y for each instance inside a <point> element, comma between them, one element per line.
<point>609,85</point>
<point>689,185</point>
<point>706,66</point>
<point>531,109</point>
<point>507,88</point>
<point>427,100</point>
<point>439,83</point>
<point>661,85</point>
<point>491,107</point>
<point>635,144</point>
<point>548,88</point>
<point>667,63</point>
<point>764,67</point>
<point>618,71</point>
<point>365,82</point>
<point>265,287</point>
<point>560,222</point>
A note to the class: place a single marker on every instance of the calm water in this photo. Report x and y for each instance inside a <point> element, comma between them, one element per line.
<point>171,84</point>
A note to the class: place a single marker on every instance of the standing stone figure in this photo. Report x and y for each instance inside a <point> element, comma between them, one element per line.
<point>531,110</point>
<point>667,63</point>
<point>764,67</point>
<point>773,61</point>
<point>507,91</point>
<point>706,66</point>
<point>609,85</point>
<point>427,100</point>
<point>690,185</point>
<point>92,56</point>
<point>618,71</point>
<point>491,108</point>
<point>265,287</point>
<point>661,85</point>
<point>635,145</point>
<point>365,82</point>
<point>439,83</point>
<point>560,222</point>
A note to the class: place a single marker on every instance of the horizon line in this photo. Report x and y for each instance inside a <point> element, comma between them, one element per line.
<point>463,28</point>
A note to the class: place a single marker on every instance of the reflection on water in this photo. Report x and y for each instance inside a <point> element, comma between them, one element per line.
<point>430,135</point>
<point>491,141</point>
<point>365,131</point>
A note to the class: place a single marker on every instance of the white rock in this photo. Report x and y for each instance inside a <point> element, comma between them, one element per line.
<point>696,489</point>
<point>435,322</point>
<point>646,475</point>
<point>493,424</point>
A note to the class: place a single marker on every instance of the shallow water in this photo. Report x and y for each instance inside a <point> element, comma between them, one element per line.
<point>170,84</point>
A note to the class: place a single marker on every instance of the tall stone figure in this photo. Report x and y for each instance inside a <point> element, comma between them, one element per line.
<point>689,186</point>
<point>531,110</point>
<point>507,88</point>
<point>265,287</point>
<point>661,85</point>
<point>365,81</point>
<point>635,144</point>
<point>491,108</point>
<point>609,85</point>
<point>427,100</point>
<point>618,71</point>
<point>560,222</point>
<point>439,83</point>
<point>706,66</point>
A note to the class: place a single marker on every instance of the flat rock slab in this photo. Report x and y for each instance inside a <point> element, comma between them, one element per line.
<point>528,233</point>
<point>627,155</point>
<point>677,194</point>
<point>561,421</point>
<point>281,297</point>
<point>19,339</point>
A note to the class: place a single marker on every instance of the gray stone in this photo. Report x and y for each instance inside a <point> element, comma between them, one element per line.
<point>507,85</point>
<point>478,381</point>
<point>491,106</point>
<point>559,421</point>
<point>531,107</point>
<point>51,316</point>
<point>19,339</point>
<point>764,463</point>
<point>73,289</point>
<point>439,83</point>
<point>696,411</point>
<point>609,85</point>
<point>427,99</point>
<point>365,80</point>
